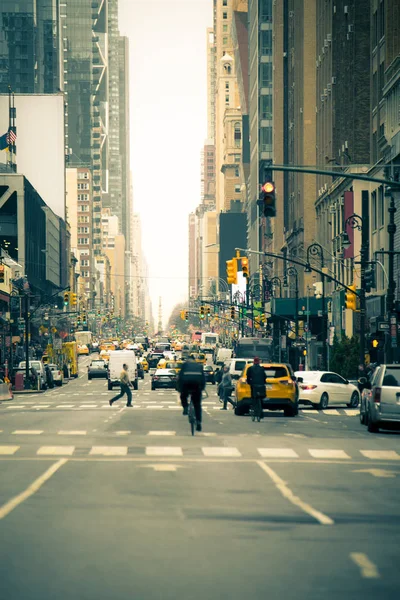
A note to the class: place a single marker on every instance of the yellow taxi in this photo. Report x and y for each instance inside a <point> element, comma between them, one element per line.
<point>83,350</point>
<point>162,363</point>
<point>174,364</point>
<point>145,364</point>
<point>199,357</point>
<point>281,389</point>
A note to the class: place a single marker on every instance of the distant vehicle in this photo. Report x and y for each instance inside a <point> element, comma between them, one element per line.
<point>153,359</point>
<point>164,378</point>
<point>236,366</point>
<point>57,374</point>
<point>83,350</point>
<point>209,374</point>
<point>39,368</point>
<point>196,336</point>
<point>320,388</point>
<point>141,339</point>
<point>115,364</point>
<point>223,354</point>
<point>97,368</point>
<point>251,347</point>
<point>83,338</point>
<point>380,400</point>
<point>209,340</point>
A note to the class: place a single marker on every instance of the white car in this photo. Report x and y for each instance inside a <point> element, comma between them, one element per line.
<point>323,388</point>
<point>57,374</point>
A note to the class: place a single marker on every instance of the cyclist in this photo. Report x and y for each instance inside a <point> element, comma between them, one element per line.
<point>256,379</point>
<point>191,382</point>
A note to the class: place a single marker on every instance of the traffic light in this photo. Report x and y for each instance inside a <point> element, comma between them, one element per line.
<point>84,318</point>
<point>66,298</point>
<point>245,267</point>
<point>78,320</point>
<point>1,273</point>
<point>369,278</point>
<point>233,313</point>
<point>202,312</point>
<point>268,199</point>
<point>208,312</point>
<point>351,298</point>
<point>73,299</point>
<point>182,313</point>
<point>99,313</point>
<point>231,271</point>
<point>186,315</point>
<point>264,318</point>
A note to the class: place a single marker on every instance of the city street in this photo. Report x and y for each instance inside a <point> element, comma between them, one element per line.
<point>110,502</point>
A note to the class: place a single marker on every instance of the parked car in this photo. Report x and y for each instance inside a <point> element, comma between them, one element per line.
<point>209,374</point>
<point>39,367</point>
<point>323,388</point>
<point>97,368</point>
<point>164,378</point>
<point>380,400</point>
<point>281,390</point>
<point>57,373</point>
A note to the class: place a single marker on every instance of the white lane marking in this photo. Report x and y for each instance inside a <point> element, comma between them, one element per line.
<point>164,467</point>
<point>367,567</point>
<point>216,451</point>
<point>18,406</point>
<point>378,473</point>
<point>109,450</point>
<point>41,406</point>
<point>104,394</point>
<point>277,453</point>
<point>88,406</point>
<point>72,432</point>
<point>27,432</point>
<point>287,493</point>
<point>381,454</point>
<point>309,411</point>
<point>68,405</point>
<point>351,412</point>
<point>155,406</point>
<point>8,449</point>
<point>164,451</point>
<point>122,432</point>
<point>46,450</point>
<point>30,490</point>
<point>316,453</point>
<point>162,433</point>
<point>331,411</point>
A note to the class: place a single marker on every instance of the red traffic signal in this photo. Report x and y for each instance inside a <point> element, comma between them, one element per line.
<point>268,199</point>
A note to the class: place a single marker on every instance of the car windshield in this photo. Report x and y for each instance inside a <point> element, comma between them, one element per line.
<point>97,363</point>
<point>392,377</point>
<point>275,372</point>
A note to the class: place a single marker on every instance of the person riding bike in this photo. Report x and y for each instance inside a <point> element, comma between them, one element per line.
<point>191,381</point>
<point>256,378</point>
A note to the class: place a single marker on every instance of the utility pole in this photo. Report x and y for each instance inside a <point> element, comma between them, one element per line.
<point>390,296</point>
<point>364,258</point>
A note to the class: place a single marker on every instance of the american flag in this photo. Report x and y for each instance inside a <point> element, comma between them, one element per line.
<point>11,137</point>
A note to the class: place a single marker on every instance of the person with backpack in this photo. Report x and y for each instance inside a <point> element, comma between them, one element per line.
<point>226,388</point>
<point>191,382</point>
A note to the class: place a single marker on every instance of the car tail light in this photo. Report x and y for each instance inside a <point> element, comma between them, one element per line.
<point>377,394</point>
<point>155,377</point>
<point>308,386</point>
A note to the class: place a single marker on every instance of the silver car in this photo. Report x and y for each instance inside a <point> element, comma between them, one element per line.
<point>380,400</point>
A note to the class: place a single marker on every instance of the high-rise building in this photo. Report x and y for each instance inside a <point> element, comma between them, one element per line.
<point>30,46</point>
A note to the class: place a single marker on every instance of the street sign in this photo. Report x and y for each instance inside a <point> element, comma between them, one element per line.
<point>57,344</point>
<point>383,326</point>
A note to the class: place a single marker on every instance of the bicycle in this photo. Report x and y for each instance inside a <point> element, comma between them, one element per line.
<point>256,407</point>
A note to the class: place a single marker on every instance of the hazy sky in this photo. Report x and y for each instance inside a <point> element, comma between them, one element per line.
<point>168,102</point>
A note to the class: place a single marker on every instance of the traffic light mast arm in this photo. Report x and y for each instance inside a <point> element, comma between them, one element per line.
<point>303,264</point>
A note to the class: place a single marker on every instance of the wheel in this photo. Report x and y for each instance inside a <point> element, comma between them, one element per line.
<point>153,387</point>
<point>109,385</point>
<point>323,403</point>
<point>362,419</point>
<point>354,400</point>
<point>89,377</point>
<point>291,411</point>
<point>136,385</point>
<point>372,427</point>
<point>213,382</point>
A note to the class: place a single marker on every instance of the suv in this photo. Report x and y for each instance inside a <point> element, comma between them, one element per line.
<point>380,400</point>
<point>236,366</point>
<point>281,390</point>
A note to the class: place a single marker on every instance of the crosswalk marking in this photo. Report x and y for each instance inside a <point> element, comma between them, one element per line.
<point>27,432</point>
<point>352,412</point>
<point>87,406</point>
<point>164,451</point>
<point>217,452</point>
<point>381,454</point>
<point>59,450</point>
<point>41,406</point>
<point>122,432</point>
<point>17,406</point>
<point>109,450</point>
<point>8,449</point>
<point>162,433</point>
<point>331,411</point>
<point>316,453</point>
<point>277,453</point>
<point>72,432</point>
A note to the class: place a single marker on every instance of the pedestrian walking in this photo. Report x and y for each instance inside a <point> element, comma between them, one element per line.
<point>227,388</point>
<point>125,383</point>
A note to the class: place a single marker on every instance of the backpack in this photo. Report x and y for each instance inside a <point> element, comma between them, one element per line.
<point>191,375</point>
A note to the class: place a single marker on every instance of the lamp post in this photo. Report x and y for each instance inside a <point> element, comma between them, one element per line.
<point>390,296</point>
<point>292,272</point>
<point>355,221</point>
<point>316,250</point>
<point>277,281</point>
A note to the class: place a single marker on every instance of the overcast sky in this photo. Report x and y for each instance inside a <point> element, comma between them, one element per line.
<point>168,103</point>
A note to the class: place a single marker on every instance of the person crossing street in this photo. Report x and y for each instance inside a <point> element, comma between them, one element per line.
<point>125,387</point>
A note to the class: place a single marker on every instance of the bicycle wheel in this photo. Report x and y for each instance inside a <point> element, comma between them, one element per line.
<point>192,417</point>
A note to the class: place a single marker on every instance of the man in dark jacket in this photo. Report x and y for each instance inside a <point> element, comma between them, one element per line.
<point>191,381</point>
<point>256,379</point>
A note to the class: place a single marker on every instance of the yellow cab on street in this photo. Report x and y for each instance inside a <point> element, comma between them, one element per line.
<point>83,350</point>
<point>145,364</point>
<point>281,390</point>
<point>199,357</point>
<point>174,364</point>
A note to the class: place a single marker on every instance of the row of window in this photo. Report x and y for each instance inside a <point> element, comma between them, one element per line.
<point>83,186</point>
<point>83,241</point>
<point>83,230</point>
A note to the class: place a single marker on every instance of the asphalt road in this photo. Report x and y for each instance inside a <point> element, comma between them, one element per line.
<point>100,502</point>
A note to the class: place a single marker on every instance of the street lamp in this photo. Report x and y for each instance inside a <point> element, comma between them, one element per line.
<point>316,250</point>
<point>292,272</point>
<point>277,281</point>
